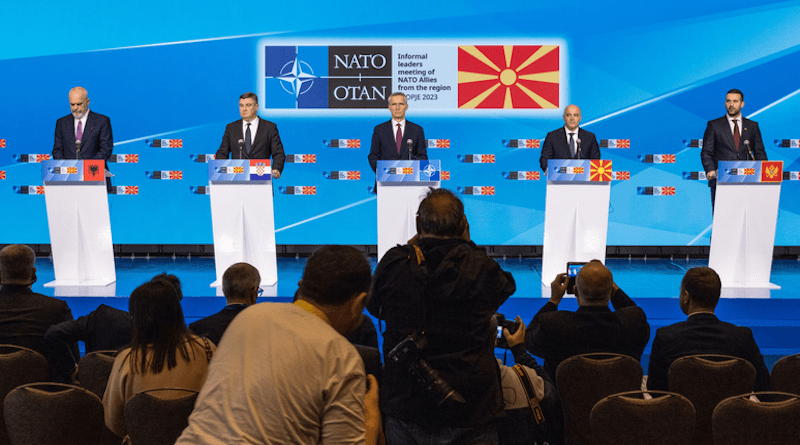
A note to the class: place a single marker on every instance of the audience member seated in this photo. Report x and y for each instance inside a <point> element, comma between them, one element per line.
<point>284,373</point>
<point>25,316</point>
<point>240,287</point>
<point>520,427</point>
<point>437,295</point>
<point>558,335</point>
<point>702,332</point>
<point>163,353</point>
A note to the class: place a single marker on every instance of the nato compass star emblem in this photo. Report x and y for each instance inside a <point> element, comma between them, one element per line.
<point>296,77</point>
<point>429,171</point>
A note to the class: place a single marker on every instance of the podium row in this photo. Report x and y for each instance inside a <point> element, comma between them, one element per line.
<point>576,218</point>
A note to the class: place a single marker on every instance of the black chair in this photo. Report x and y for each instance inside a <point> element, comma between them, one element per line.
<point>785,375</point>
<point>706,380</point>
<point>583,380</point>
<point>158,416</point>
<point>18,366</point>
<point>772,420</point>
<point>94,369</point>
<point>53,413</point>
<point>629,418</point>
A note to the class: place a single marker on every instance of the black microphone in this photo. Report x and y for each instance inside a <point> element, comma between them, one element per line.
<point>578,140</point>
<point>241,148</point>
<point>77,148</point>
<point>410,148</point>
<point>747,146</point>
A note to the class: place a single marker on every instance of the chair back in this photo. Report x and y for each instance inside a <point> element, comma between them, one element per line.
<point>94,369</point>
<point>18,366</point>
<point>664,418</point>
<point>785,375</point>
<point>774,419</point>
<point>158,416</point>
<point>53,413</point>
<point>706,380</point>
<point>584,379</point>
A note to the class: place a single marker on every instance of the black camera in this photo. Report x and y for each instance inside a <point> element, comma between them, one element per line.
<point>511,325</point>
<point>406,355</point>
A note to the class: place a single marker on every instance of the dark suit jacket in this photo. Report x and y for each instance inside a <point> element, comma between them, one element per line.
<point>266,144</point>
<point>556,147</point>
<point>384,145</point>
<point>558,335</point>
<point>24,318</point>
<point>97,142</point>
<point>718,144</point>
<point>213,326</point>
<point>703,334</point>
<point>103,329</point>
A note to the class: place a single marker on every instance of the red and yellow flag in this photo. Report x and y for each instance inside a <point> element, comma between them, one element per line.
<point>600,170</point>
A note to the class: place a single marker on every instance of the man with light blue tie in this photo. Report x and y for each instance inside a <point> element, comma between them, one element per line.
<point>569,141</point>
<point>252,137</point>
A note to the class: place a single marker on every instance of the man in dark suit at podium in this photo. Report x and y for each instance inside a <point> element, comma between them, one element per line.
<point>390,140</point>
<point>252,137</point>
<point>83,134</point>
<point>570,141</point>
<point>730,138</point>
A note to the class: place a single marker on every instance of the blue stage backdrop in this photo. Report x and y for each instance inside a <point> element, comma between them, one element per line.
<point>487,81</point>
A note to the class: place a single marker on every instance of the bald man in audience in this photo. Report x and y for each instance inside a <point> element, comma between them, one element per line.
<point>556,335</point>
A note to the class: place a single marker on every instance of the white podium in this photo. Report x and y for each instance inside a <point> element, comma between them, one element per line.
<point>576,215</point>
<point>743,232</point>
<point>242,217</point>
<point>401,187</point>
<point>80,227</point>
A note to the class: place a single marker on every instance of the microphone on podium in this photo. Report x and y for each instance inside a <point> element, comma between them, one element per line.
<point>749,151</point>
<point>410,148</point>
<point>241,148</point>
<point>77,148</point>
<point>578,151</point>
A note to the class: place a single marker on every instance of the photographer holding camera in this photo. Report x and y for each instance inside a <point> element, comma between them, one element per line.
<point>437,295</point>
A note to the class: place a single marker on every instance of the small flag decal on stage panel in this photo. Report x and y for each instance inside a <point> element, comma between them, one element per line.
<point>438,143</point>
<point>742,171</point>
<point>693,143</point>
<point>166,143</point>
<point>165,174</point>
<point>65,170</point>
<point>570,170</point>
<point>615,143</point>
<point>2,143</point>
<point>31,158</point>
<point>600,170</point>
<point>298,190</point>
<point>400,171</point>
<point>260,170</point>
<point>476,159</point>
<point>444,175</point>
<point>522,175</point>
<point>202,158</point>
<point>239,170</point>
<point>657,159</point>
<point>656,191</point>
<point>694,176</point>
<point>481,190</point>
<point>342,143</point>
<point>302,159</point>
<point>2,174</point>
<point>343,175</point>
<point>124,159</point>
<point>771,171</point>
<point>522,143</point>
<point>787,143</point>
<point>200,190</point>
<point>620,176</point>
<point>125,190</point>
<point>29,189</point>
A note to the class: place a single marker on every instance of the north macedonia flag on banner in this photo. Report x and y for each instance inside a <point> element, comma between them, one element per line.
<point>522,76</point>
<point>600,170</point>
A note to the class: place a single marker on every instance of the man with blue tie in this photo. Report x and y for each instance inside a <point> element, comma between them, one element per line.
<point>570,141</point>
<point>83,134</point>
<point>252,137</point>
<point>397,138</point>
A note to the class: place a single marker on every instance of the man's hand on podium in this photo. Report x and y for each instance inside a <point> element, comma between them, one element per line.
<point>276,174</point>
<point>711,175</point>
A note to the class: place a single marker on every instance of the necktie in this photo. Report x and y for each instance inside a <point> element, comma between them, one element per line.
<point>247,136</point>
<point>399,138</point>
<point>79,132</point>
<point>572,144</point>
<point>736,133</point>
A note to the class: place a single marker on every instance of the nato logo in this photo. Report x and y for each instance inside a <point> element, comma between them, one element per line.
<point>429,171</point>
<point>327,76</point>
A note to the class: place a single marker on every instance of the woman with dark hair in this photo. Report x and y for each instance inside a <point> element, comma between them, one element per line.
<point>162,354</point>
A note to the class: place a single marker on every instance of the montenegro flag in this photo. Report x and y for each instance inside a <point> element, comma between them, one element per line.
<point>600,170</point>
<point>494,76</point>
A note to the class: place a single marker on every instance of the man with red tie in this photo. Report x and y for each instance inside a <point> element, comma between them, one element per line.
<point>730,138</point>
<point>397,138</point>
